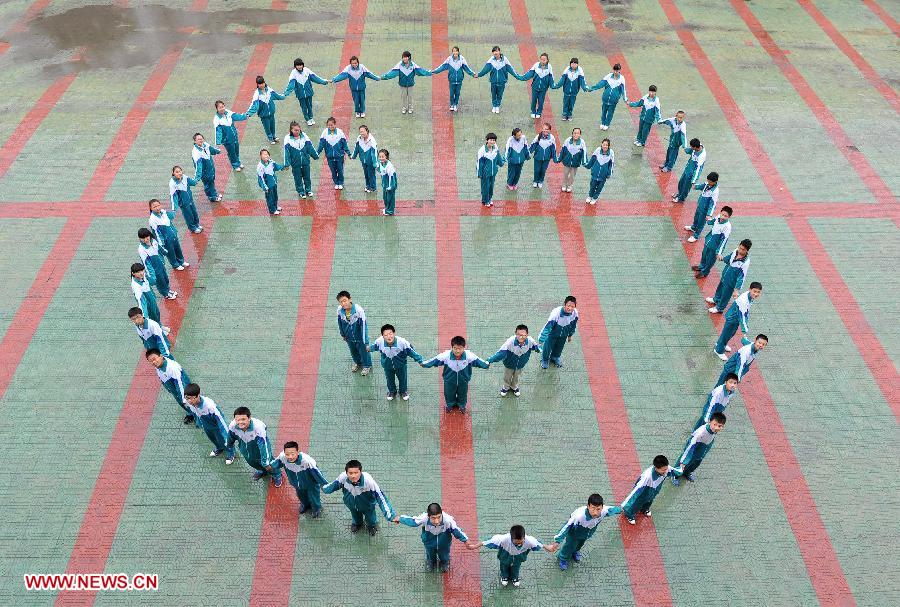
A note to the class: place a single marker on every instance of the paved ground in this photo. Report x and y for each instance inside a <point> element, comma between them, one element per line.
<point>797,504</point>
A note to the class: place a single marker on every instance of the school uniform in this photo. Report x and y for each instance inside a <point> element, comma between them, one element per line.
<point>406,74</point>
<point>301,83</point>
<point>183,198</point>
<point>739,363</point>
<point>361,499</point>
<point>543,150</point>
<point>154,266</point>
<point>511,556</point>
<point>601,166</point>
<point>517,153</point>
<point>560,326</point>
<point>514,356</point>
<point>697,447</point>
<point>206,169</point>
<point>388,186</point>
<point>738,315</point>
<point>356,78</point>
<point>487,164</point>
<point>353,328</point>
<point>456,71</point>
<point>650,111</point>
<point>167,236</point>
<point>227,135</point>
<point>541,77</point>
<point>263,104</point>
<point>174,378</point>
<point>734,274</point>
<point>265,177</point>
<point>213,423</point>
<point>334,144</point>
<point>297,154</point>
<point>367,152</point>
<point>436,538</point>
<point>613,90</point>
<point>677,141</point>
<point>254,445</point>
<point>305,477</point>
<point>153,336</point>
<point>716,401</point>
<point>571,155</point>
<point>571,81</point>
<point>500,71</point>
<point>644,492</point>
<point>714,244</point>
<point>456,373</point>
<point>393,361</point>
<point>706,206</point>
<point>579,529</point>
<point>691,172</point>
<point>146,301</point>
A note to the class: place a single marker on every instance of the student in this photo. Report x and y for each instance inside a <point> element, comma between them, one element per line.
<point>645,489</point>
<point>697,447</point>
<point>227,135</point>
<point>487,164</point>
<point>438,531</point>
<point>355,74</point>
<point>706,206</point>
<point>677,139</point>
<point>263,104</point>
<point>740,361</point>
<point>456,67</point>
<point>613,85</point>
<point>361,493</point>
<point>541,76</point>
<point>543,150</point>
<point>650,111</point>
<point>571,81</point>
<point>182,198</point>
<point>173,379</point>
<point>692,170</point>
<point>512,550</point>
<point>406,72</point>
<point>500,70</point>
<point>202,154</point>
<point>301,82</point>
<point>394,352</point>
<point>737,264</point>
<point>354,330</point>
<point>580,527</point>
<point>560,328</point>
<point>717,400</point>
<point>571,155</point>
<point>515,353</point>
<point>601,165</point>
<point>151,333</point>
<point>161,223</point>
<point>714,243</point>
<point>388,182</point>
<point>457,372</point>
<point>149,252</point>
<point>252,438</point>
<point>334,143</point>
<point>517,153</point>
<point>304,476</point>
<point>140,286</point>
<point>366,149</point>
<point>265,177</point>
<point>211,420</point>
<point>298,150</point>
<point>738,315</point>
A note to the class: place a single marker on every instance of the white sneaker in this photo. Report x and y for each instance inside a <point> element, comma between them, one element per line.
<point>728,348</point>
<point>541,185</point>
<point>180,268</point>
<point>403,110</point>
<point>534,115</point>
<point>648,514</point>
<point>713,310</point>
<point>228,462</point>
<point>365,371</point>
<point>354,368</point>
<point>592,201</point>
<point>589,200</point>
<point>340,187</point>
<point>564,188</point>
<point>405,396</point>
<point>166,330</point>
<point>213,453</point>
<point>337,187</point>
<point>186,264</point>
<point>517,583</point>
<point>390,396</point>
<point>722,356</point>
<point>238,169</point>
<point>219,198</point>
<point>504,582</point>
<point>410,111</point>
<point>689,228</point>
<point>171,295</point>
<point>277,213</point>
<point>362,114</point>
<point>710,300</point>
<point>198,230</point>
<point>357,114</point>
<point>534,184</point>
<point>310,122</point>
<point>692,239</point>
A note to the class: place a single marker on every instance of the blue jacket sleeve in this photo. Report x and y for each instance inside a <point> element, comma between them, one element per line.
<point>390,74</point>
<point>467,69</point>
<point>292,84</point>
<point>422,72</point>
<point>371,76</point>
<point>311,150</point>
<point>545,333</point>
<point>433,362</point>
<point>485,69</point>
<point>254,107</point>
<point>414,355</point>
<point>317,79</point>
<point>441,68</point>
<point>331,487</point>
<point>481,363</point>
<point>341,76</point>
<point>278,96</point>
<point>408,521</point>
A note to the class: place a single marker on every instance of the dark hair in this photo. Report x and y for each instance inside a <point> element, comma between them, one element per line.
<point>195,135</point>
<point>331,119</point>
<point>719,417</point>
<point>385,152</point>
<point>762,336</point>
<point>388,327</point>
<point>266,150</point>
<point>548,125</point>
<point>568,299</point>
<point>354,58</point>
<point>747,243</point>
<point>652,88</point>
<point>714,177</point>
<point>517,532</point>
<point>496,48</point>
<point>731,376</point>
<point>458,340</point>
<point>606,139</point>
<point>516,130</point>
<point>490,136</point>
<point>298,61</point>
<point>455,48</point>
<point>660,460</point>
<point>144,233</point>
<point>679,111</point>
<point>177,166</point>
<point>577,128</point>
<point>544,55</point>
<point>522,328</point>
<point>260,80</point>
<point>291,444</point>
<point>137,267</point>
<point>151,201</point>
<point>132,312</point>
<point>728,210</point>
<point>434,508</point>
<point>293,124</point>
<point>363,126</point>
<point>152,351</point>
<point>242,411</point>
<point>595,499</point>
<point>353,463</point>
<point>573,60</point>
<point>406,54</point>
<point>695,143</point>
<point>617,67</point>
<point>755,285</point>
<point>192,390</point>
<point>218,101</point>
<point>343,294</point>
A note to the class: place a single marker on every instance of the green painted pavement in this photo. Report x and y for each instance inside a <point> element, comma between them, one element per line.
<point>662,342</point>
<point>841,429</point>
<point>188,517</point>
<point>63,402</point>
<point>862,251</point>
<point>539,456</point>
<point>388,267</point>
<point>25,82</point>
<point>31,240</point>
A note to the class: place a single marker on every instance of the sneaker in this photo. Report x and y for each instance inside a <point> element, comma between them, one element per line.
<point>490,203</point>
<point>541,186</point>
<point>509,187</point>
<point>372,530</point>
<point>171,295</point>
<point>215,453</point>
<point>403,111</point>
<point>229,461</point>
<point>405,396</point>
<point>710,300</point>
<point>589,200</point>
<point>448,409</point>
<point>384,212</point>
<point>544,364</point>
<point>257,474</point>
<point>237,169</point>
<point>362,114</point>
<point>356,114</point>
<point>278,480</point>
<point>310,122</point>
<point>180,268</point>
<point>557,362</point>
<point>664,170</point>
<point>353,526</point>
<point>186,264</point>
<point>365,371</point>
<point>240,167</point>
<point>188,419</point>
<point>337,187</point>
<point>692,238</point>
<point>689,228</point>
<point>504,581</point>
<point>166,330</point>
<point>675,197</point>
<point>445,567</point>
<point>592,201</point>
<point>517,582</point>
<point>274,142</point>
<point>722,356</point>
<point>537,115</point>
<point>219,198</point>
<point>309,194</point>
<point>648,514</point>
<point>276,213</point>
<point>564,188</point>
<point>504,391</point>
<point>516,392</point>
<point>675,481</point>
<point>714,310</point>
<point>301,196</point>
<point>563,564</point>
<point>728,348</point>
<point>630,520</point>
<point>354,368</point>
<point>534,184</point>
<point>577,556</point>
<point>390,395</point>
<point>534,115</point>
<point>340,187</point>
<point>692,477</point>
<point>639,144</point>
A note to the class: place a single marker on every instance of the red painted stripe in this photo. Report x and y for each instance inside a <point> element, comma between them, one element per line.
<point>883,15</point>
<point>21,25</point>
<point>859,63</point>
<point>825,117</point>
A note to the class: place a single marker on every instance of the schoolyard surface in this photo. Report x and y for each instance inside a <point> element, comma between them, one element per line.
<point>796,103</point>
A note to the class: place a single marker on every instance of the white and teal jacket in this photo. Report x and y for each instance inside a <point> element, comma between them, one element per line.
<point>142,293</point>
<point>650,108</point>
<point>697,446</point>
<point>613,89</point>
<point>226,133</point>
<point>456,369</point>
<point>407,73</point>
<point>298,150</point>
<point>264,102</point>
<point>541,77</point>
<point>202,157</point>
<point>265,174</point>
<point>678,136</point>
<point>717,237</point>
<point>301,83</point>
<point>735,272</point>
<point>173,378</point>
<point>716,401</point>
<point>393,356</point>
<point>581,525</point>
<point>352,326</point>
<point>500,70</point>
<point>515,355</point>
<point>356,77</point>
<point>363,495</point>
<point>543,148</point>
<point>560,325</point>
<point>388,175</point>
<point>150,257</point>
<point>366,150</point>
<point>210,415</point>
<point>646,486</point>
<point>153,337</point>
<point>253,443</point>
<point>508,552</point>
<point>601,164</point>
<point>333,143</point>
<point>302,473</point>
<point>711,195</point>
<point>740,310</point>
<point>572,153</point>
<point>572,81</point>
<point>740,361</point>
<point>161,224</point>
<point>488,162</point>
<point>517,151</point>
<point>180,191</point>
<point>694,165</point>
<point>456,69</point>
<point>436,536</point>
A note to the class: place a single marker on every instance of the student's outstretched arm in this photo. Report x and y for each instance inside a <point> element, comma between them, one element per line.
<point>317,476</point>
<point>413,354</point>
<point>291,85</point>
<point>484,70</point>
<point>466,69</point>
<point>278,96</point>
<point>500,355</point>
<point>370,75</point>
<point>480,363</point>
<point>311,150</point>
<point>409,521</point>
<point>420,71</point>
<point>339,77</point>
<point>558,83</point>
<point>512,72</point>
<point>390,74</point>
<point>254,107</point>
<point>441,68</point>
<point>317,79</point>
<point>433,362</point>
<point>332,486</point>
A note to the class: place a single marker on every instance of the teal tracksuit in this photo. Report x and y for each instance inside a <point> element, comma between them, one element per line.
<point>265,177</point>
<point>571,81</point>
<point>644,492</point>
<point>560,326</point>
<point>500,70</point>
<point>361,498</point>
<point>739,363</point>
<point>304,476</point>
<point>174,379</point>
<point>649,116</point>
<point>517,152</point>
<point>714,244</point>
<point>698,445</point>
<point>691,172</point>
<point>456,71</point>
<point>488,162</point>
<point>152,336</point>
<point>541,77</point>
<point>206,169</point>
<point>297,154</point>
<point>264,105</point>
<point>334,144</point>
<point>393,361</point>
<point>734,274</point>
<point>167,236</point>
<point>145,298</point>
<point>227,135</point>
<point>677,141</point>
<point>457,373</point>
<point>356,78</point>
<point>155,267</point>
<point>301,84</point>
<point>407,73</point>
<point>511,556</point>
<point>353,328</point>
<point>436,538</point>
<point>254,445</point>
<point>706,206</point>
<point>601,167</point>
<point>182,198</point>
<point>213,423</point>
<point>716,401</point>
<point>579,529</point>
<point>737,316</point>
<point>388,185</point>
<point>613,90</point>
<point>543,151</point>
<point>367,152</point>
<point>515,355</point>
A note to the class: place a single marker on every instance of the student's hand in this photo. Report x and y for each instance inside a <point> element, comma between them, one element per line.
<point>396,520</point>
<point>570,337</point>
<point>719,257</point>
<point>473,545</point>
<point>269,468</point>
<point>552,547</point>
